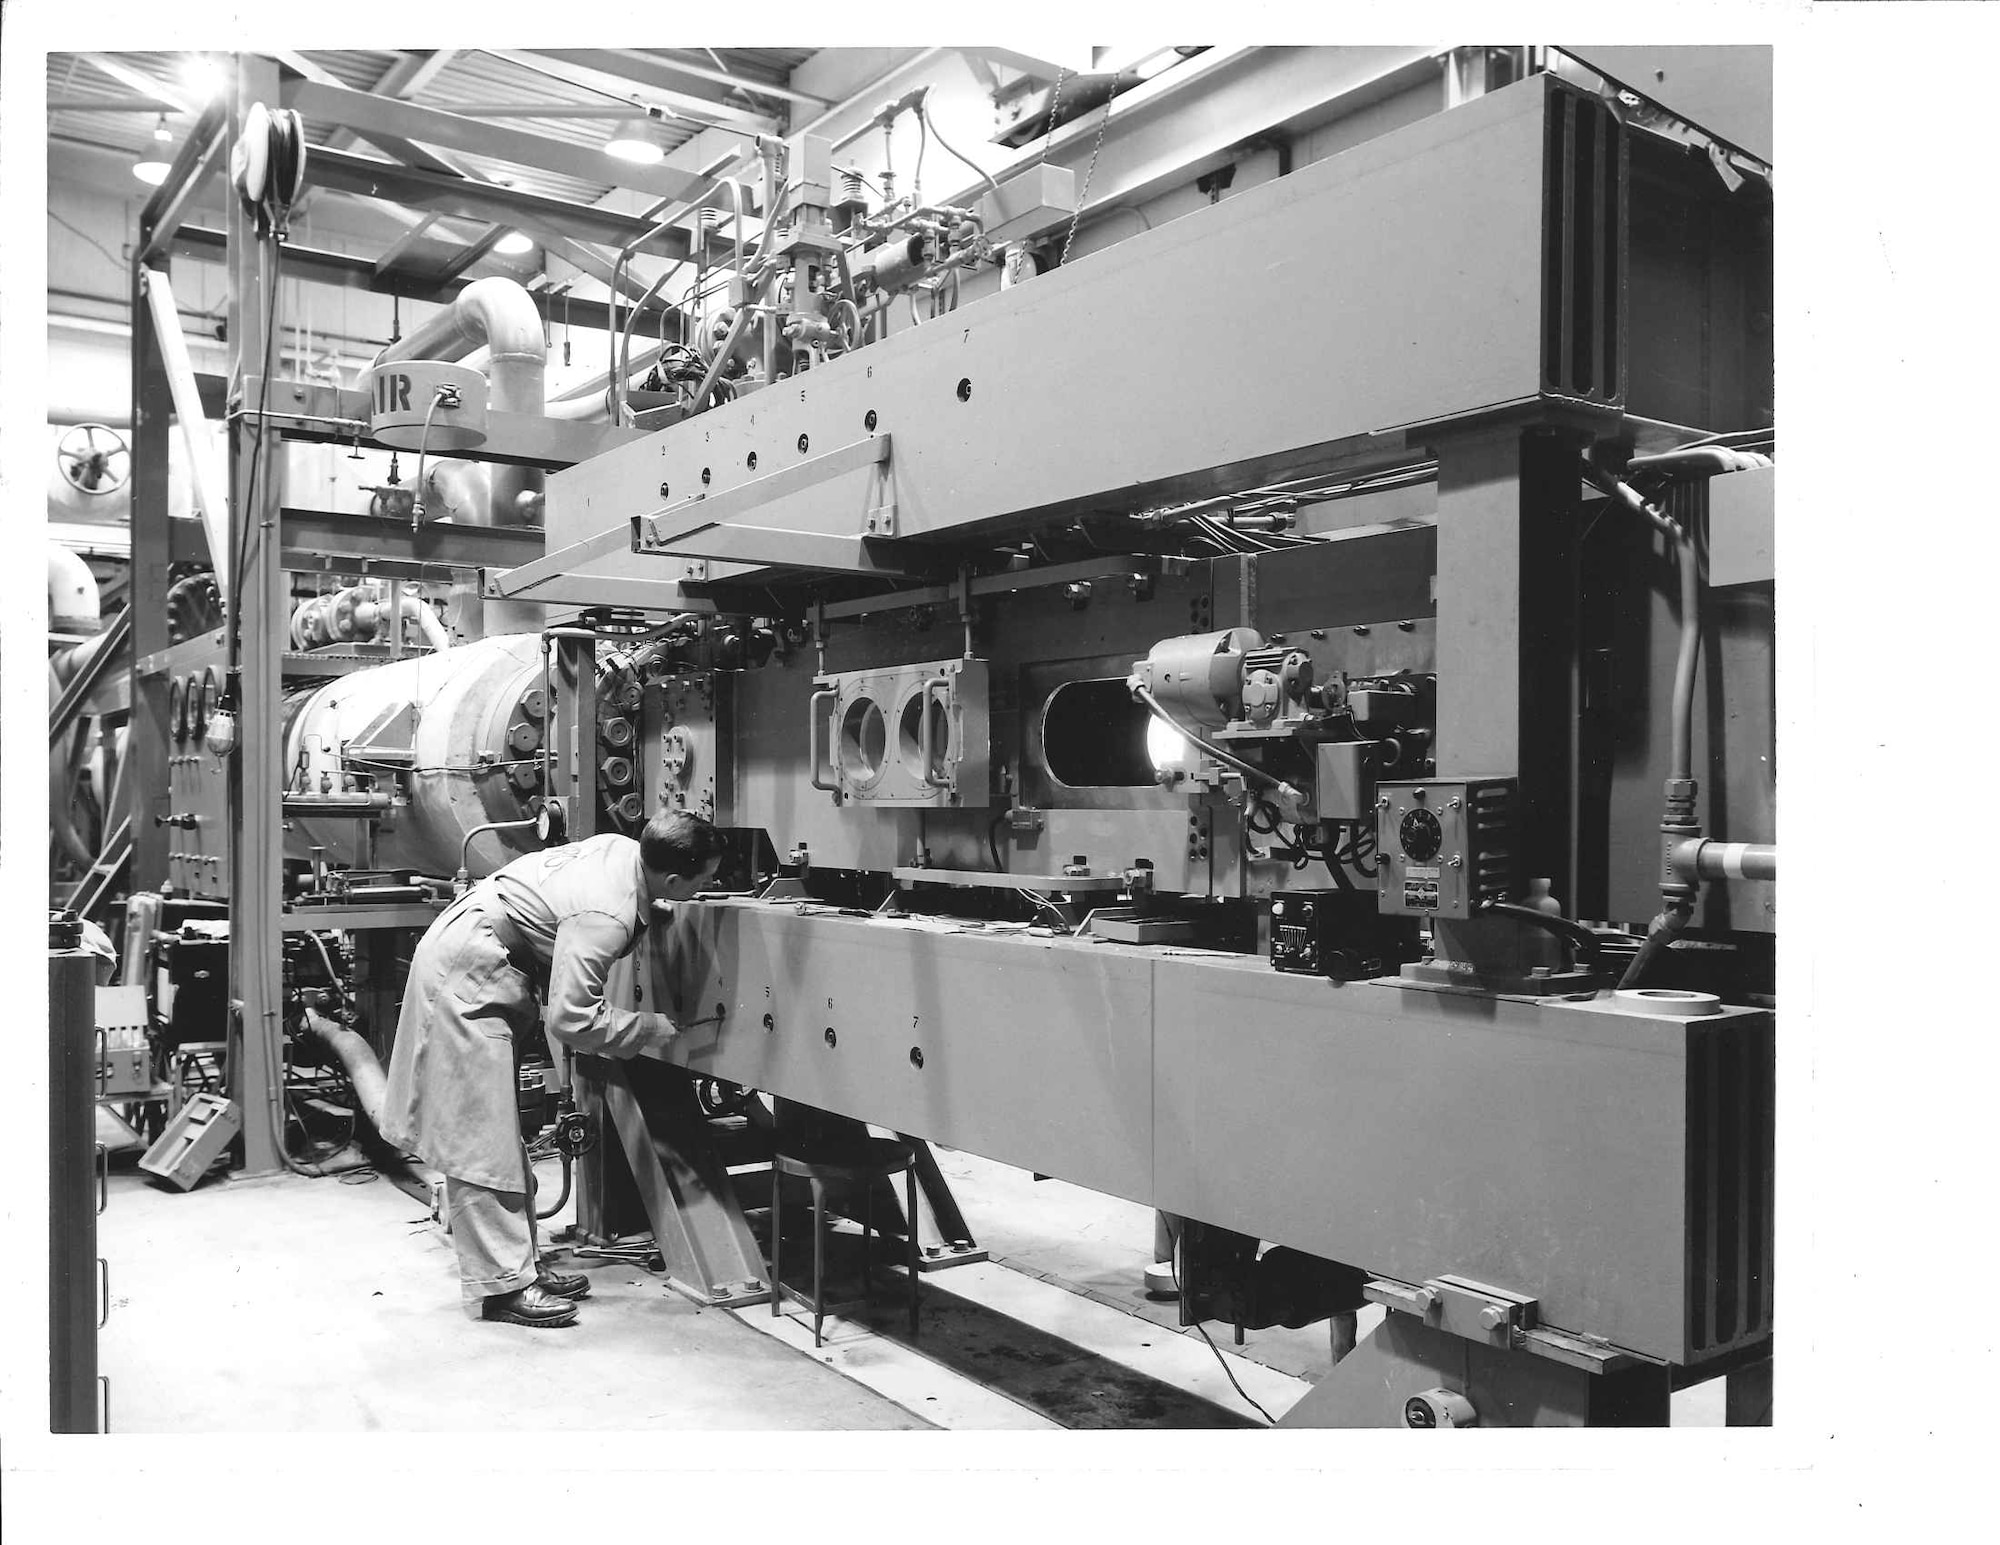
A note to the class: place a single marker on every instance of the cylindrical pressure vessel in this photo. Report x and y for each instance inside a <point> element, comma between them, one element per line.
<point>463,767</point>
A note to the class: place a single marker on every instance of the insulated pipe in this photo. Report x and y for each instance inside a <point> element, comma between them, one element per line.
<point>363,1071</point>
<point>204,477</point>
<point>1727,860</point>
<point>499,314</point>
<point>74,603</point>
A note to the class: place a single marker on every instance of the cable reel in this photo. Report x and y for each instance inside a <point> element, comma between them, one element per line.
<point>268,167</point>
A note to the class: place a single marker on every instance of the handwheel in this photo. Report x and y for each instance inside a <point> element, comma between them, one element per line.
<point>94,459</point>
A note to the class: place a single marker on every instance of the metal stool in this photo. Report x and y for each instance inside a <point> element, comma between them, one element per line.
<point>864,1161</point>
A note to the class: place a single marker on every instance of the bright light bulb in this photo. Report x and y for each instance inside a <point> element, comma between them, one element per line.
<point>643,152</point>
<point>205,76</point>
<point>161,132</point>
<point>513,244</point>
<point>151,172</point>
<point>1165,745</point>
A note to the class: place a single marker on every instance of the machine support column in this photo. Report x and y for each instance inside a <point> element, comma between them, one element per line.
<point>256,855</point>
<point>1506,526</point>
<point>152,560</point>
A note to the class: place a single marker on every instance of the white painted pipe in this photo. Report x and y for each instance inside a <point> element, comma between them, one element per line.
<point>204,476</point>
<point>500,315</point>
<point>73,597</point>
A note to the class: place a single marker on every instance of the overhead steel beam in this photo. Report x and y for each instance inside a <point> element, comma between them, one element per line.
<point>403,149</point>
<point>562,64</point>
<point>372,116</point>
<point>471,253</point>
<point>138,80</point>
<point>404,244</point>
<point>717,77</point>
<point>198,156</point>
<point>358,273</point>
<point>650,75</point>
<point>487,202</point>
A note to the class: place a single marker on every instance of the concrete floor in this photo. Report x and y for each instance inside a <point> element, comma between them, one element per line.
<point>293,1304</point>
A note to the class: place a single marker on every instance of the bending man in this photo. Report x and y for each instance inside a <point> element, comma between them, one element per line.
<point>553,923</point>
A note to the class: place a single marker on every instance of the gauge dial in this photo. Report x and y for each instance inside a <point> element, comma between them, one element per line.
<point>1420,835</point>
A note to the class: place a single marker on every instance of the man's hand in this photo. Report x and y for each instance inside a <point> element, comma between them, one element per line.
<point>661,1032</point>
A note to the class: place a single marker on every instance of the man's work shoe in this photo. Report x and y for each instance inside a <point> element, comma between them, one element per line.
<point>559,1284</point>
<point>528,1306</point>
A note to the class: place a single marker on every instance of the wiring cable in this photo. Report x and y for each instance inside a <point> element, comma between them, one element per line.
<point>1174,1265</point>
<point>1228,759</point>
<point>924,116</point>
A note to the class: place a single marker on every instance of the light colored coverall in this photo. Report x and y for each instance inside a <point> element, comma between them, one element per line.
<point>557,919</point>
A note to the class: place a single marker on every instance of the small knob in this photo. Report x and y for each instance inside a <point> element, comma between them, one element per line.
<point>1424,1299</point>
<point>1493,1316</point>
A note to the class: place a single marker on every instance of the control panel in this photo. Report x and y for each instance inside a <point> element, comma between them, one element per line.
<point>1338,934</point>
<point>196,807</point>
<point>1447,845</point>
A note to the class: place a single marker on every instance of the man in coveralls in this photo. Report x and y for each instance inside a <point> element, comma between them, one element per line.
<point>551,922</point>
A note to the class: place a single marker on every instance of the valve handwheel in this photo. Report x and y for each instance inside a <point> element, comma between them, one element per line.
<point>94,459</point>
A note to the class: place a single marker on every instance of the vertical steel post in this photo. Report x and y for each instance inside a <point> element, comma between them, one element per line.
<point>152,560</point>
<point>1507,622</point>
<point>256,871</point>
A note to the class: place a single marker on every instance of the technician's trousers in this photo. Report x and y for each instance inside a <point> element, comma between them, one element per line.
<point>494,1238</point>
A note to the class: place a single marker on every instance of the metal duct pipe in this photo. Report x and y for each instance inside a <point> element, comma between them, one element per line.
<point>355,613</point>
<point>363,1071</point>
<point>498,314</point>
<point>73,597</point>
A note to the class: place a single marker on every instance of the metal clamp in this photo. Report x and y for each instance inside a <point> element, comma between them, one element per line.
<point>817,745</point>
<point>103,1178</point>
<point>104,1402</point>
<point>104,1291</point>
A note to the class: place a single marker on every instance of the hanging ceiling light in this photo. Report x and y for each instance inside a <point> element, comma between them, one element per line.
<point>513,244</point>
<point>153,173</point>
<point>161,132</point>
<point>640,142</point>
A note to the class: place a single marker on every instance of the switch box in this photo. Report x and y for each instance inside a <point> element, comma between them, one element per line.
<point>1447,845</point>
<point>1340,780</point>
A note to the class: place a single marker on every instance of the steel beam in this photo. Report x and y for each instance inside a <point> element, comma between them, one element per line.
<point>256,771</point>
<point>652,63</point>
<point>1063,364</point>
<point>396,145</point>
<point>138,80</point>
<point>198,157</point>
<point>565,65</point>
<point>372,116</point>
<point>343,173</point>
<point>344,539</point>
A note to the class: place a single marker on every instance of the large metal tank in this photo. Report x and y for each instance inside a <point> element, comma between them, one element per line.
<point>462,729</point>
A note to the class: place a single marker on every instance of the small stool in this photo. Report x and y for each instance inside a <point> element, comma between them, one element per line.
<point>865,1161</point>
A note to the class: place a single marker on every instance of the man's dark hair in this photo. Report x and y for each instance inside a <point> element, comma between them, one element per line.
<point>679,844</point>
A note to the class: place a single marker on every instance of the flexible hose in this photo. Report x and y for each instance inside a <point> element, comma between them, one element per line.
<point>924,116</point>
<point>1664,929</point>
<point>1589,951</point>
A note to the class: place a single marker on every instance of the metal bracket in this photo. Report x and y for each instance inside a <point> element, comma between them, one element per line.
<point>1496,1317</point>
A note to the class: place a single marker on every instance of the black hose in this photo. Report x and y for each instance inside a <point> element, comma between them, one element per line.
<point>1665,928</point>
<point>1589,951</point>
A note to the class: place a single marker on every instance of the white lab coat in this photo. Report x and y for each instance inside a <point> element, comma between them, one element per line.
<point>550,923</point>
